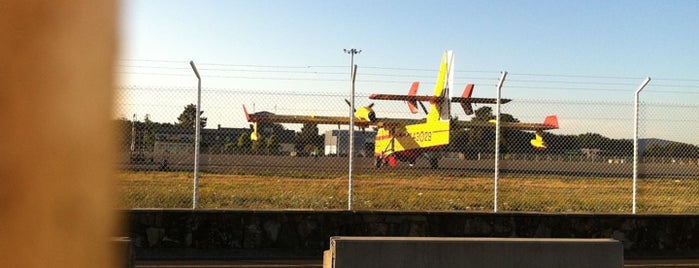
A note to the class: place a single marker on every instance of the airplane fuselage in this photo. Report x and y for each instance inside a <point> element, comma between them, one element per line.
<point>408,142</point>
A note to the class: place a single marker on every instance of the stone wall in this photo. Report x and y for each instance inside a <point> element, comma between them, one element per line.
<point>242,234</point>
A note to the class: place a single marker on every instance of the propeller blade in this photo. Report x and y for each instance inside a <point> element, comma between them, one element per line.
<point>350,105</point>
<point>423,107</point>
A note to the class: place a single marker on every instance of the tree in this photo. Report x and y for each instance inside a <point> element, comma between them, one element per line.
<point>458,141</point>
<point>482,139</point>
<point>591,140</point>
<point>309,136</point>
<point>272,144</point>
<point>188,117</point>
<point>257,145</point>
<point>244,142</point>
<point>678,149</point>
<point>148,133</point>
<point>229,148</point>
<point>124,126</point>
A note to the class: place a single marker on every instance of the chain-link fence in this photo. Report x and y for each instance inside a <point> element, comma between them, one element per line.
<point>586,167</point>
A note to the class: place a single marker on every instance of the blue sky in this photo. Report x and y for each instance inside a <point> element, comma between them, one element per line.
<point>622,38</point>
<point>591,50</point>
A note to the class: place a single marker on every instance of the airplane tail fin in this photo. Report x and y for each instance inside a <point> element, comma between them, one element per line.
<point>468,107</point>
<point>412,104</point>
<point>439,109</point>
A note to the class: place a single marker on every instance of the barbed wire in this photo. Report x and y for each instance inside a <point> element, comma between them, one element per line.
<point>431,70</point>
<point>332,93</point>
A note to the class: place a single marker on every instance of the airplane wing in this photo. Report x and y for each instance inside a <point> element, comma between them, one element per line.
<point>267,117</point>
<point>397,122</point>
<point>479,100</point>
<point>403,97</point>
<point>551,122</point>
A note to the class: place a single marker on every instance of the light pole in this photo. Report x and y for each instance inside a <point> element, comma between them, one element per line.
<point>353,69</point>
<point>197,126</point>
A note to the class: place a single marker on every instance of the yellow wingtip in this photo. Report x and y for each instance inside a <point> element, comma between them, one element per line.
<point>254,136</point>
<point>538,141</point>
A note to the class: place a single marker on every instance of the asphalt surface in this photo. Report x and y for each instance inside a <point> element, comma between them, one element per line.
<point>550,165</point>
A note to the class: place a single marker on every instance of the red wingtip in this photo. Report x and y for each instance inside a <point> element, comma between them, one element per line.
<point>412,92</point>
<point>413,88</point>
<point>247,115</point>
<point>551,121</point>
<point>468,91</point>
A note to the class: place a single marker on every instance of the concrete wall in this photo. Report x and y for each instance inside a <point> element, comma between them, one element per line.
<point>305,234</point>
<point>427,252</point>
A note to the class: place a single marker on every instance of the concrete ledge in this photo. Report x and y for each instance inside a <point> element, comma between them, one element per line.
<point>414,252</point>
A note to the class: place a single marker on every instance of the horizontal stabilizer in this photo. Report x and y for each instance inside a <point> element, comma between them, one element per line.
<point>466,100</point>
<point>403,97</point>
<point>468,108</point>
<point>412,104</point>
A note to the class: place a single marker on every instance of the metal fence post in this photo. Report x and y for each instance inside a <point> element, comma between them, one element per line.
<point>350,150</point>
<point>197,127</point>
<point>497,142</point>
<point>635,140</point>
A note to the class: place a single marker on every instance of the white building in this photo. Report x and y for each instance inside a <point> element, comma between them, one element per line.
<point>337,142</point>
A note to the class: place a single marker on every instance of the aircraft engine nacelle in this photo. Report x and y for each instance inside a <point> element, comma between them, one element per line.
<point>365,113</point>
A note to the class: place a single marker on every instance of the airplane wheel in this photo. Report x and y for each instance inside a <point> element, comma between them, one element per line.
<point>434,162</point>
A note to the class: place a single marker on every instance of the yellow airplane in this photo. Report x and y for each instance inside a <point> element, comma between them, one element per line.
<point>399,139</point>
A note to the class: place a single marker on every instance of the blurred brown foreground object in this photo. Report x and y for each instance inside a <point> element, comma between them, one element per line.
<point>56,165</point>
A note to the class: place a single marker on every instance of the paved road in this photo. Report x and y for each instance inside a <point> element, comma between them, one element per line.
<point>319,263</point>
<point>253,164</point>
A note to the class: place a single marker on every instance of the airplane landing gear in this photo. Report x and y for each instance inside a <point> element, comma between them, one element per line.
<point>380,161</point>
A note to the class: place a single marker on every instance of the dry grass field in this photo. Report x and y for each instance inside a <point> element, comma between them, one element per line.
<point>406,191</point>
